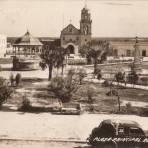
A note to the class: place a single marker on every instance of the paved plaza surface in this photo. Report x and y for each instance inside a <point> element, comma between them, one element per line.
<point>41,144</point>
<point>29,130</point>
<point>45,126</point>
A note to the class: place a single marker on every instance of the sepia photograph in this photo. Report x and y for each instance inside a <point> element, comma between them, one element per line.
<point>73,73</point>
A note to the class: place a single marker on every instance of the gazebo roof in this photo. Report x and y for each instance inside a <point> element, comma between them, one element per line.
<point>27,40</point>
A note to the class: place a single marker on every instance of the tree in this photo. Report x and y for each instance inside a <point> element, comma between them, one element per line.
<point>119,77</point>
<point>5,91</point>
<point>96,50</point>
<point>11,79</point>
<point>18,79</point>
<point>64,88</point>
<point>54,57</point>
<point>61,61</point>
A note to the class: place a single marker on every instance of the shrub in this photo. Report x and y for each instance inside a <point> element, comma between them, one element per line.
<point>144,80</point>
<point>90,92</point>
<point>64,88</point>
<point>128,106</point>
<point>26,104</point>
<point>18,79</point>
<point>143,112</point>
<point>11,78</point>
<point>91,108</point>
<point>98,73</point>
<point>5,91</point>
<point>119,77</point>
<point>81,74</point>
<point>106,83</point>
<point>112,93</point>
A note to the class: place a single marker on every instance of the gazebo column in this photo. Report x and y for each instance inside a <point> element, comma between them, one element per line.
<point>30,50</point>
<point>35,50</point>
<point>18,50</point>
<point>24,50</point>
<point>39,49</point>
<point>14,50</point>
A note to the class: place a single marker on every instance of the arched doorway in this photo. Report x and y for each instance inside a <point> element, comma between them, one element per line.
<point>144,53</point>
<point>71,49</point>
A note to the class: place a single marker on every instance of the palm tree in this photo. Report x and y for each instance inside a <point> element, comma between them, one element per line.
<point>96,50</point>
<point>54,57</point>
<point>61,58</point>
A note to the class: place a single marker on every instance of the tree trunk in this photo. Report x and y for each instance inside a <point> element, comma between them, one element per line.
<point>57,71</point>
<point>50,71</point>
<point>95,65</point>
<point>62,69</point>
<point>119,102</point>
<point>118,98</point>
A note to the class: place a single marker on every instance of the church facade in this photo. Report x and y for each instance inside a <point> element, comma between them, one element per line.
<point>73,39</point>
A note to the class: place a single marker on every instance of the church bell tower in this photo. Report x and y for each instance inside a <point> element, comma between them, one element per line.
<point>85,26</point>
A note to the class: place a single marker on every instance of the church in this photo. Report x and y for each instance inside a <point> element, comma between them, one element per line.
<point>73,39</point>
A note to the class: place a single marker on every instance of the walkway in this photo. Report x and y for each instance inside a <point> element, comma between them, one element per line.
<point>94,80</point>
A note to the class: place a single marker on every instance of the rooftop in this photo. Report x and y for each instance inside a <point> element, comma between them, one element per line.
<point>27,40</point>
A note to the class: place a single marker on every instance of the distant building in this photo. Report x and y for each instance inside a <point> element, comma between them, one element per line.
<point>49,42</point>
<point>125,47</point>
<point>3,45</point>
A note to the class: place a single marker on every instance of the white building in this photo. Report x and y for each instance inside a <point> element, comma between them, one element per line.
<point>3,45</point>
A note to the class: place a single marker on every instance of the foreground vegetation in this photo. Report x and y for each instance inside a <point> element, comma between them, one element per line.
<point>93,97</point>
<point>69,88</point>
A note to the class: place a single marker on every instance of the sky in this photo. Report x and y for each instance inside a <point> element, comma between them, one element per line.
<point>46,18</point>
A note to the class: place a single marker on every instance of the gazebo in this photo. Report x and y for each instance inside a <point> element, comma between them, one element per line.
<point>27,45</point>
